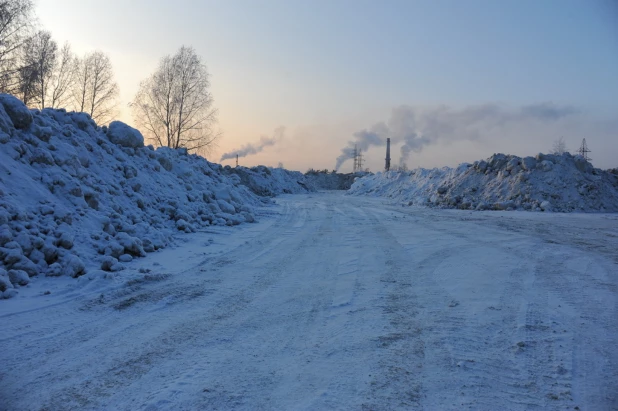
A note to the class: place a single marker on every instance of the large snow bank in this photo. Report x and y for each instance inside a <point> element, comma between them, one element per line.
<point>562,183</point>
<point>323,180</point>
<point>75,196</point>
<point>268,181</point>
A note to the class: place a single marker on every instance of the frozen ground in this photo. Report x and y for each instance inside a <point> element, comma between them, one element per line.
<point>333,301</point>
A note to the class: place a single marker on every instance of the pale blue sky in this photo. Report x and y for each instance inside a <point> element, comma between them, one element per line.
<point>325,69</point>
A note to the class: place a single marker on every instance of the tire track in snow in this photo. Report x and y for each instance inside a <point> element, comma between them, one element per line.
<point>337,304</point>
<point>59,333</point>
<point>212,324</point>
<point>320,346</point>
<point>481,357</point>
<point>397,383</point>
<point>577,366</point>
<point>76,392</point>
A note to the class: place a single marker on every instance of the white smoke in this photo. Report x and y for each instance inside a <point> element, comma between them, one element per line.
<point>363,140</point>
<point>418,127</point>
<point>254,148</point>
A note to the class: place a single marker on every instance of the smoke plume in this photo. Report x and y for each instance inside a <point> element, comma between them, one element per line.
<point>250,149</point>
<point>363,140</point>
<point>417,127</point>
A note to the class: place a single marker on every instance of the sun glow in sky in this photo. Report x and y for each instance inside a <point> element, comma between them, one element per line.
<point>327,69</point>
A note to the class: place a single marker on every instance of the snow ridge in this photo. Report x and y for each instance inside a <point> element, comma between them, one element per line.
<point>322,180</point>
<point>268,181</point>
<point>547,182</point>
<point>76,198</point>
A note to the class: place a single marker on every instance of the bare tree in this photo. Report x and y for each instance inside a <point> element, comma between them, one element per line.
<point>16,21</point>
<point>63,78</point>
<point>174,105</point>
<point>80,85</point>
<point>25,87</point>
<point>559,147</point>
<point>38,63</point>
<point>94,90</point>
<point>103,88</point>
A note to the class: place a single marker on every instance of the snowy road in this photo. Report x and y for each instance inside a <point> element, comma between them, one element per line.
<point>336,302</point>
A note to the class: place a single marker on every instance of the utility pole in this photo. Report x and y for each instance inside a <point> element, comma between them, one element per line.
<point>236,160</point>
<point>583,151</point>
<point>387,166</point>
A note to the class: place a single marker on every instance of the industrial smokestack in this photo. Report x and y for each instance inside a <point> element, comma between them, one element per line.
<point>387,167</point>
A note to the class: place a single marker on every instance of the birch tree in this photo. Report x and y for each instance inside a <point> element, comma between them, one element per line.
<point>174,106</point>
<point>94,90</point>
<point>16,22</point>
<point>38,63</point>
<point>63,78</point>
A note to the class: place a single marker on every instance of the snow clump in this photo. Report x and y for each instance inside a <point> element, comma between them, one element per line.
<point>124,135</point>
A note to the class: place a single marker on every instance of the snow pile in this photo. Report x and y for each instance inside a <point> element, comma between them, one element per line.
<point>75,197</point>
<point>561,183</point>
<point>323,180</point>
<point>268,181</point>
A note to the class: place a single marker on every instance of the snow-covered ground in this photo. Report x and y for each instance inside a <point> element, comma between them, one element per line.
<point>333,302</point>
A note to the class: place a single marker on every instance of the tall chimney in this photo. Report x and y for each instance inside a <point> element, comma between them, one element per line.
<point>388,155</point>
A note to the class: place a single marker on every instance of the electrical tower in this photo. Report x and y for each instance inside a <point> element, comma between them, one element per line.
<point>583,151</point>
<point>358,159</point>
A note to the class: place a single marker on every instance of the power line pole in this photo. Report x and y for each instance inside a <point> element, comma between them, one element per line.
<point>583,151</point>
<point>358,159</point>
<point>387,165</point>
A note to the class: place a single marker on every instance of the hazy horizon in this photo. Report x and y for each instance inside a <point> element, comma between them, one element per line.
<point>451,81</point>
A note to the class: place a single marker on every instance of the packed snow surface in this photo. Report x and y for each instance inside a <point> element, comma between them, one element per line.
<point>78,199</point>
<point>333,302</point>
<point>563,183</point>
